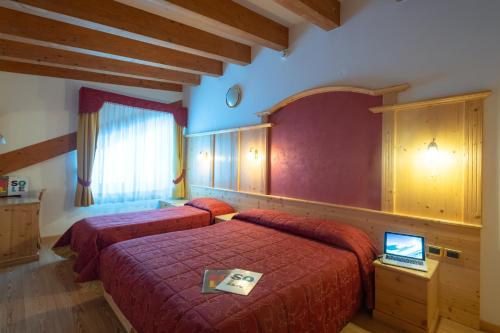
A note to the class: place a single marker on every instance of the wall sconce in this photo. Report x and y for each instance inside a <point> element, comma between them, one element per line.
<point>253,154</point>
<point>3,141</point>
<point>432,148</point>
<point>203,156</point>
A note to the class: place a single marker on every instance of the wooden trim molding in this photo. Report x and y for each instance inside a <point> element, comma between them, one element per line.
<point>40,152</point>
<point>43,54</point>
<point>388,159</point>
<point>335,208</point>
<point>489,327</point>
<point>236,129</point>
<point>75,74</point>
<point>327,89</point>
<point>433,102</point>
<point>178,36</point>
<point>473,140</point>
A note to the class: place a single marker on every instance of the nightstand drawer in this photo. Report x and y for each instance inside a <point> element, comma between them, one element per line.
<point>401,307</point>
<point>401,284</point>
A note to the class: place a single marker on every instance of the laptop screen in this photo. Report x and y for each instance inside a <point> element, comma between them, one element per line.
<point>404,245</point>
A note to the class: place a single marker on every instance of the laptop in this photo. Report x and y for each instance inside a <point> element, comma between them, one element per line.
<point>405,251</point>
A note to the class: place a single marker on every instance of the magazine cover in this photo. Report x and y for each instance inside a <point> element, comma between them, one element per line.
<point>4,185</point>
<point>239,282</point>
<point>212,278</point>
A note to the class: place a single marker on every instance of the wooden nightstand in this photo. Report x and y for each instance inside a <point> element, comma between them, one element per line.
<point>224,218</point>
<point>407,299</point>
<point>171,203</point>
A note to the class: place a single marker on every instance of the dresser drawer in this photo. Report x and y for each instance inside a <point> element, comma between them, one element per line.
<point>401,284</point>
<point>401,307</point>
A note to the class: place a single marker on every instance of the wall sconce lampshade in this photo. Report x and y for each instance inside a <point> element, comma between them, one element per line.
<point>253,154</point>
<point>432,147</point>
<point>203,156</point>
<point>3,141</point>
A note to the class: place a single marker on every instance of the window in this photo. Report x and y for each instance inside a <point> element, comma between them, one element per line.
<point>134,154</point>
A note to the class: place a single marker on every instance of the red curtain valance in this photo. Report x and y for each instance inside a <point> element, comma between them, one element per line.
<point>91,100</point>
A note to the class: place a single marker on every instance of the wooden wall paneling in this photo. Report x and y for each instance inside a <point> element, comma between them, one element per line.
<point>473,141</point>
<point>388,154</point>
<point>39,28</point>
<point>177,35</point>
<point>31,52</point>
<point>253,165</point>
<point>195,174</point>
<point>459,283</point>
<point>226,160</point>
<point>200,161</point>
<point>74,74</point>
<point>238,185</point>
<point>430,185</point>
<point>388,160</point>
<point>24,157</point>
<point>212,159</point>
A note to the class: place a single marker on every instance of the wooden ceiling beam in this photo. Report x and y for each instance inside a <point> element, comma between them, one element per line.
<point>234,19</point>
<point>178,36</point>
<point>66,73</point>
<point>24,25</point>
<point>323,13</point>
<point>44,54</point>
<point>24,157</point>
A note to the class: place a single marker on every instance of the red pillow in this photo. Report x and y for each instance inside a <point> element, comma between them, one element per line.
<point>214,206</point>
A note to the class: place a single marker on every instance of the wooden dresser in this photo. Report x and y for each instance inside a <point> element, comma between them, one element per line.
<point>407,299</point>
<point>19,230</point>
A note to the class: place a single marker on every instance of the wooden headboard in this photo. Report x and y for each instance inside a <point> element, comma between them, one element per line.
<point>459,279</point>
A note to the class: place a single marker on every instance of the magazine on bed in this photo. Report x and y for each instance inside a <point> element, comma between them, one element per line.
<point>239,282</point>
<point>212,278</point>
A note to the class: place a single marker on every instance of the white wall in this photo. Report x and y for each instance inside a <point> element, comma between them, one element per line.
<point>439,47</point>
<point>35,109</point>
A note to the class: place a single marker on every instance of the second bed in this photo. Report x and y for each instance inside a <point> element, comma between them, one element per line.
<point>88,237</point>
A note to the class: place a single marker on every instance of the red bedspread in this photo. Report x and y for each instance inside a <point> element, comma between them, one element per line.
<point>311,283</point>
<point>89,236</point>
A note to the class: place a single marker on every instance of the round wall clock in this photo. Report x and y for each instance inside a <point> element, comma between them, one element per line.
<point>233,96</point>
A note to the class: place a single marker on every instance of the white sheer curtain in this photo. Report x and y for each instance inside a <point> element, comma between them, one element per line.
<point>134,154</point>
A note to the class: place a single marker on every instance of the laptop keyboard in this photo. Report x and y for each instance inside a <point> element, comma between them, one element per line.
<point>406,260</point>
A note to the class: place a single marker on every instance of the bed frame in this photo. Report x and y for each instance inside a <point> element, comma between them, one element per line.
<point>121,317</point>
<point>459,278</point>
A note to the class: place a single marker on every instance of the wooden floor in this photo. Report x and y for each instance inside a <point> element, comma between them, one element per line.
<point>42,297</point>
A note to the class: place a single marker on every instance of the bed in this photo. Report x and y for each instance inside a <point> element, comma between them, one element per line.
<point>316,275</point>
<point>88,237</point>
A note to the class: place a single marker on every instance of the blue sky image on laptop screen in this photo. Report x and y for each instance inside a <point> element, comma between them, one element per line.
<point>404,245</point>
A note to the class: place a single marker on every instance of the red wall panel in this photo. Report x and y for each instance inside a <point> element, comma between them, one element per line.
<point>327,147</point>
